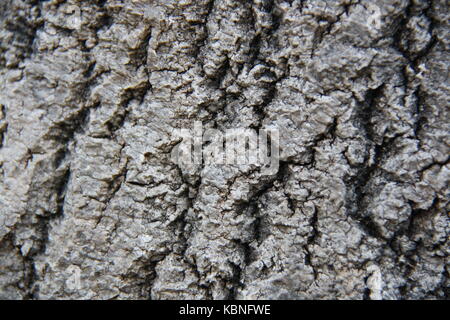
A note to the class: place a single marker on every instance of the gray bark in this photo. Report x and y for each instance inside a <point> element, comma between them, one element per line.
<point>91,91</point>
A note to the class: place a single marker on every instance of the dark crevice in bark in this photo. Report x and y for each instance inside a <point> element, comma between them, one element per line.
<point>357,200</point>
<point>238,270</point>
<point>62,133</point>
<point>414,59</point>
<point>3,126</point>
<point>43,227</point>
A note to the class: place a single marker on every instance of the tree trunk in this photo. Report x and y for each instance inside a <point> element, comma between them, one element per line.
<point>92,205</point>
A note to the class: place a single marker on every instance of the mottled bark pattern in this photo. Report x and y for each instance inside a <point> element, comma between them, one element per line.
<point>91,91</point>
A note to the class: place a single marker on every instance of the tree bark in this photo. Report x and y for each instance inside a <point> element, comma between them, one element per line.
<point>92,207</point>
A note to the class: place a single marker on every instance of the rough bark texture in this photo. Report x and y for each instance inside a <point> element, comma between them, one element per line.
<point>90,92</point>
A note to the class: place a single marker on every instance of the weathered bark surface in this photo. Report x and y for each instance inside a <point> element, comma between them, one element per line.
<point>90,92</point>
